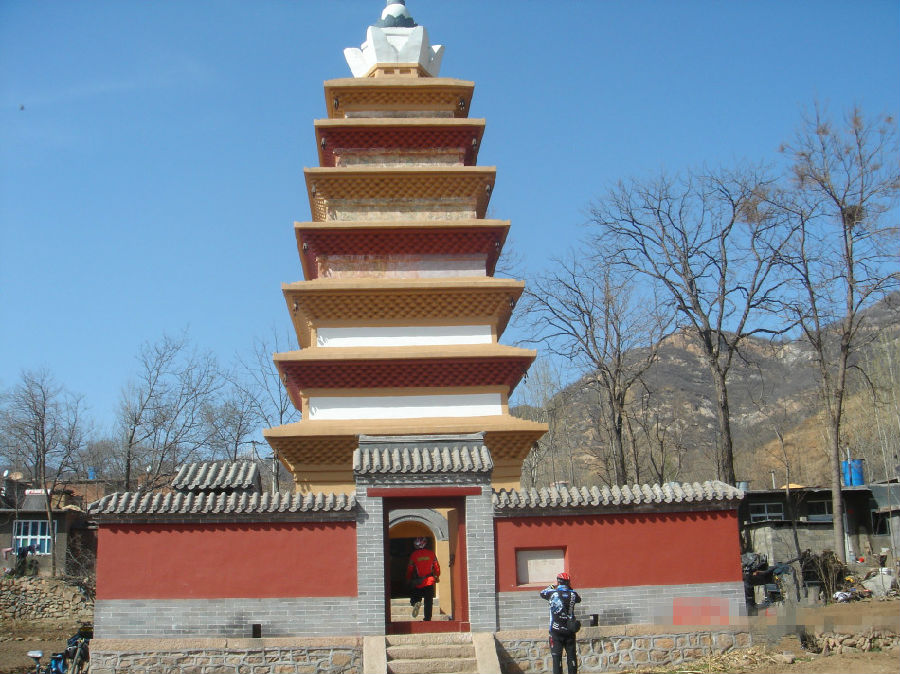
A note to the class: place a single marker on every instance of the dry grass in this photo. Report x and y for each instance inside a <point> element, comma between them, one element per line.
<point>743,660</point>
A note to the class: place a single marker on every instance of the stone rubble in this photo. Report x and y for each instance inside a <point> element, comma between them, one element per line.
<point>43,599</point>
<point>827,643</point>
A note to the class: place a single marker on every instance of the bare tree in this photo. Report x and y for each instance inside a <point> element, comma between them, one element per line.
<point>881,394</point>
<point>255,381</point>
<point>656,437</point>
<point>771,425</point>
<point>845,178</point>
<point>232,422</point>
<point>98,459</point>
<point>258,380</point>
<point>162,420</point>
<point>44,426</point>
<point>596,320</point>
<point>541,397</point>
<point>778,416</point>
<point>711,245</point>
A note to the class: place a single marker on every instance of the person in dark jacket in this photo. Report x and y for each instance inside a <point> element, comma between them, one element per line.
<point>422,572</point>
<point>561,596</point>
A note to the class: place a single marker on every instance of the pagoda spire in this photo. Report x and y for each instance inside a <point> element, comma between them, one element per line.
<point>395,45</point>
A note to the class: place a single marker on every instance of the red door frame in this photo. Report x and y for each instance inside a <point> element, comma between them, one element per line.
<point>401,499</point>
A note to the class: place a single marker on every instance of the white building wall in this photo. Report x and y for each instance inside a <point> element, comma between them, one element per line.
<point>405,407</point>
<point>405,335</point>
<point>402,266</point>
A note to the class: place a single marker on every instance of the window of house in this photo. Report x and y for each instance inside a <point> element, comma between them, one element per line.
<point>33,532</point>
<point>880,524</point>
<point>539,566</point>
<point>820,511</point>
<point>880,521</point>
<point>760,512</point>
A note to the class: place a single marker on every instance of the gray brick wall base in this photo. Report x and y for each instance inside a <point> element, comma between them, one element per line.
<point>640,604</point>
<point>600,649</point>
<point>334,655</point>
<point>603,649</point>
<point>233,618</point>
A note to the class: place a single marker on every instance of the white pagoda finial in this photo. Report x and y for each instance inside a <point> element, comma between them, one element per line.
<point>395,39</point>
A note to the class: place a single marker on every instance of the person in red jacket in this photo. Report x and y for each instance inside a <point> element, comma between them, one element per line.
<point>422,572</point>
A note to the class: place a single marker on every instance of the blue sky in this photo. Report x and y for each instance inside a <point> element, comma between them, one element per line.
<point>151,153</point>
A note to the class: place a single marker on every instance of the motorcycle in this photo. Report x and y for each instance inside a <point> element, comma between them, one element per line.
<point>756,571</point>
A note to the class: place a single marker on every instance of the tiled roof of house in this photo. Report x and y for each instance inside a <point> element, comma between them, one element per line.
<point>137,503</point>
<point>436,456</point>
<point>217,476</point>
<point>668,493</point>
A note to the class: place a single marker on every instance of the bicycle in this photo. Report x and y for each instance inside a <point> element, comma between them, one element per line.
<point>55,666</point>
<point>77,652</point>
<point>73,660</point>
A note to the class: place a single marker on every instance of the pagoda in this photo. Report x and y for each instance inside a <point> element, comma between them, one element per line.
<point>399,315</point>
<point>405,433</point>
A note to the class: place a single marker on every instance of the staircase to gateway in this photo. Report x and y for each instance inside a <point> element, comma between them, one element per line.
<point>401,611</point>
<point>433,653</point>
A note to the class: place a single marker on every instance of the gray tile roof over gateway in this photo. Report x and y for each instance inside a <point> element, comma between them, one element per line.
<point>425,455</point>
<point>217,476</point>
<point>674,493</point>
<point>177,503</point>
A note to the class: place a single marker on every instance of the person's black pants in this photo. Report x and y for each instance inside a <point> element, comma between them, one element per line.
<point>426,594</point>
<point>557,644</point>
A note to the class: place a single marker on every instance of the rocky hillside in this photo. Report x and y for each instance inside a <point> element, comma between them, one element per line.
<point>774,405</point>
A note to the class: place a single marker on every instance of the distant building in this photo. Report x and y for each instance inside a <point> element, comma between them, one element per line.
<point>769,518</point>
<point>24,523</point>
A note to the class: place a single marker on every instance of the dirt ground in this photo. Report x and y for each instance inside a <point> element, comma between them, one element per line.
<point>778,649</point>
<point>17,638</point>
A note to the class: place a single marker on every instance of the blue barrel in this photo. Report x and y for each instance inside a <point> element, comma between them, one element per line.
<point>845,473</point>
<point>856,472</point>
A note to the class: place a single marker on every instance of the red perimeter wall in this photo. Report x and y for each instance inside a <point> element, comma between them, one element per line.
<point>211,561</point>
<point>622,550</point>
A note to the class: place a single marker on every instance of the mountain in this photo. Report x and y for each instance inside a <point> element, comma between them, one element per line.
<point>773,396</point>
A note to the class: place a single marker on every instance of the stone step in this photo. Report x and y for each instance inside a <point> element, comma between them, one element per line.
<point>401,611</point>
<point>433,666</point>
<point>429,639</point>
<point>432,653</point>
<point>408,617</point>
<point>407,608</point>
<point>400,603</point>
<point>422,651</point>
<point>435,617</point>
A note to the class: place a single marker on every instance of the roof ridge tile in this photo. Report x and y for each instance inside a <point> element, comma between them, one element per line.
<point>710,491</point>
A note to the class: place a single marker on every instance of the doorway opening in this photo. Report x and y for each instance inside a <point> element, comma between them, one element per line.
<point>441,521</point>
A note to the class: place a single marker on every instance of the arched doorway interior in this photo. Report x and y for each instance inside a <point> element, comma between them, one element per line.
<point>442,521</point>
<point>404,527</point>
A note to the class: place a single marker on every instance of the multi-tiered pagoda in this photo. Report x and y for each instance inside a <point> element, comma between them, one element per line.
<point>400,315</point>
<point>405,432</point>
